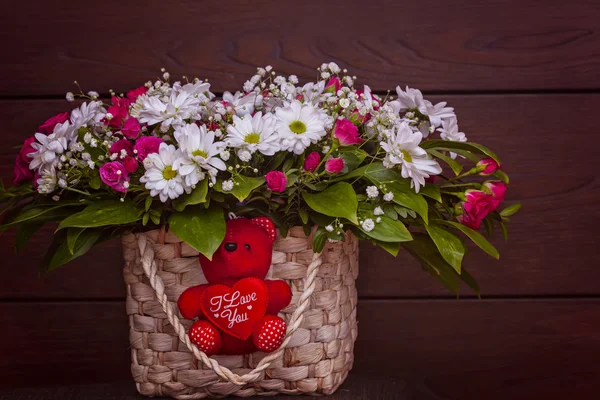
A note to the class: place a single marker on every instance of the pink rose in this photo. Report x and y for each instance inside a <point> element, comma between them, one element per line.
<point>133,94</point>
<point>498,191</point>
<point>48,126</point>
<point>122,144</point>
<point>476,207</point>
<point>333,85</point>
<point>276,181</point>
<point>21,170</point>
<point>146,145</point>
<point>131,129</point>
<point>487,166</point>
<point>119,111</point>
<point>334,165</point>
<point>114,175</point>
<point>131,164</point>
<point>347,132</point>
<point>312,161</point>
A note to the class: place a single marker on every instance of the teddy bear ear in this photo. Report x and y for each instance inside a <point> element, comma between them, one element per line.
<point>267,225</point>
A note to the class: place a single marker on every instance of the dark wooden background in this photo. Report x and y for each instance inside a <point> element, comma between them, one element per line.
<point>524,78</point>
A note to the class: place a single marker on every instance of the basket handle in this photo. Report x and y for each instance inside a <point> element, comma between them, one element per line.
<point>150,269</point>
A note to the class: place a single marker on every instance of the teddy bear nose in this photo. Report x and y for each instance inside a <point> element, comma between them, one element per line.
<point>230,246</point>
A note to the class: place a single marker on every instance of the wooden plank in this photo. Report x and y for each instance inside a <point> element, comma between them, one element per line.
<point>552,243</point>
<point>468,349</point>
<point>492,45</point>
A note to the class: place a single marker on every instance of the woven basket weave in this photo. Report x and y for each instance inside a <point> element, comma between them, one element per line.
<point>318,350</point>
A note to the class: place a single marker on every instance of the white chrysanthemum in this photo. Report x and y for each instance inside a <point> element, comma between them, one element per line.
<point>368,225</point>
<point>299,125</point>
<point>412,99</point>
<point>160,176</point>
<point>243,104</point>
<point>198,151</point>
<point>199,90</point>
<point>254,133</point>
<point>449,131</point>
<point>311,92</point>
<point>372,192</point>
<point>91,112</point>
<point>402,148</point>
<point>179,106</point>
<point>49,147</point>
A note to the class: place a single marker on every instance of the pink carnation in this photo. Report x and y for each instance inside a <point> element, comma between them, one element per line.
<point>122,144</point>
<point>119,111</point>
<point>133,94</point>
<point>21,170</point>
<point>476,207</point>
<point>347,132</point>
<point>498,191</point>
<point>146,145</point>
<point>114,175</point>
<point>131,129</point>
<point>276,181</point>
<point>334,84</point>
<point>48,126</point>
<point>334,165</point>
<point>312,161</point>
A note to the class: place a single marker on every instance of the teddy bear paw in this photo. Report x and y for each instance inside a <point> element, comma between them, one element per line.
<point>269,333</point>
<point>204,335</point>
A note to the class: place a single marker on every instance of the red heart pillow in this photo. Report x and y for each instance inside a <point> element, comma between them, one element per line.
<point>236,309</point>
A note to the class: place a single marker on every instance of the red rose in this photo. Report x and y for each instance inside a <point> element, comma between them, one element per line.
<point>312,161</point>
<point>21,170</point>
<point>347,132</point>
<point>276,181</point>
<point>114,175</point>
<point>131,128</point>
<point>133,94</point>
<point>334,165</point>
<point>131,164</point>
<point>48,126</point>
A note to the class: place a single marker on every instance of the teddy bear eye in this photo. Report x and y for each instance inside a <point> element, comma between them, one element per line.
<point>247,246</point>
<point>230,247</point>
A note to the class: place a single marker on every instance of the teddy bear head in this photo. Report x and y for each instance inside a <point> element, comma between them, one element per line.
<point>245,252</point>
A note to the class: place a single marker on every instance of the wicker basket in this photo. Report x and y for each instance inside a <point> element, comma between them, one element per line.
<point>318,350</point>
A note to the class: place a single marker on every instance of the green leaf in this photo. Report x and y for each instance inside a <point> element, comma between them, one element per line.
<point>404,195</point>
<point>276,160</point>
<point>72,235</point>
<point>424,250</point>
<point>352,157</point>
<point>392,248</point>
<point>338,200</point>
<point>452,146</point>
<point>467,278</point>
<point>449,245</point>
<point>453,164</point>
<point>148,203</point>
<point>197,196</point>
<point>103,213</point>
<point>25,233</point>
<point>95,181</point>
<point>390,211</point>
<point>62,255</point>
<point>475,236</point>
<point>145,219</point>
<point>502,176</point>
<point>37,212</point>
<point>387,230</point>
<point>319,240</point>
<point>203,229</point>
<point>242,186</point>
<point>303,215</point>
<point>511,210</point>
<point>504,230</point>
<point>432,191</point>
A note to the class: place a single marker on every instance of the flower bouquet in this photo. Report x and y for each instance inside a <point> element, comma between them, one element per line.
<point>166,165</point>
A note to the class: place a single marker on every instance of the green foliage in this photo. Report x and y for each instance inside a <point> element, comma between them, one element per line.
<point>197,196</point>
<point>475,236</point>
<point>449,245</point>
<point>242,186</point>
<point>201,228</point>
<point>104,213</point>
<point>338,200</point>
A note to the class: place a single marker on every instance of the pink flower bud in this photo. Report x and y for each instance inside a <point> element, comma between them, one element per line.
<point>312,161</point>
<point>276,181</point>
<point>333,85</point>
<point>487,166</point>
<point>334,165</point>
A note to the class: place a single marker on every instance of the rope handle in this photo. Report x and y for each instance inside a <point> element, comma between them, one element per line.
<point>150,269</point>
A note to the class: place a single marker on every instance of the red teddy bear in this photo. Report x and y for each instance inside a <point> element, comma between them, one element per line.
<point>237,309</point>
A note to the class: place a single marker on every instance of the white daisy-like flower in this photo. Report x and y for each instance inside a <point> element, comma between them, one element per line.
<point>227,185</point>
<point>449,131</point>
<point>412,99</point>
<point>48,148</point>
<point>389,196</point>
<point>402,148</point>
<point>241,103</point>
<point>299,125</point>
<point>198,150</point>
<point>160,176</point>
<point>311,92</point>
<point>372,192</point>
<point>254,133</point>
<point>47,179</point>
<point>198,89</point>
<point>178,107</point>
<point>378,211</point>
<point>91,112</point>
<point>368,225</point>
